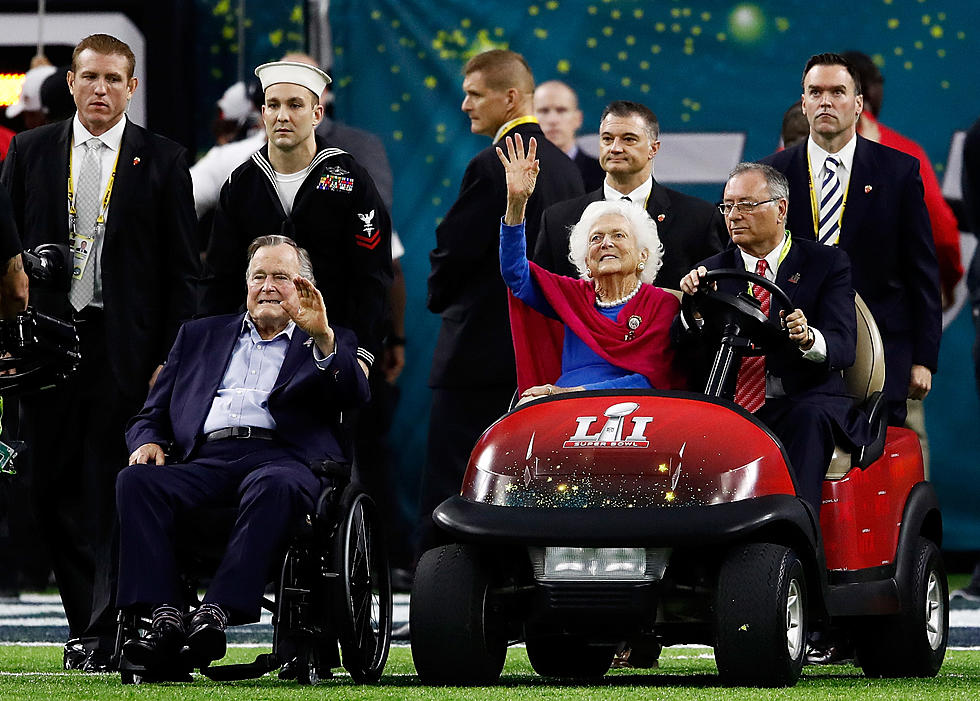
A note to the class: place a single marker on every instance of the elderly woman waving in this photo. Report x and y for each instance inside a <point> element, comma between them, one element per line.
<point>616,323</point>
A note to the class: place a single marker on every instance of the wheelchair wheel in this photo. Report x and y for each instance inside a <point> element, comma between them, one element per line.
<point>364,588</point>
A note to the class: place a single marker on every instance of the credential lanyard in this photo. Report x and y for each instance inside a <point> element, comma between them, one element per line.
<point>782,256</point>
<point>72,212</point>
<point>815,207</point>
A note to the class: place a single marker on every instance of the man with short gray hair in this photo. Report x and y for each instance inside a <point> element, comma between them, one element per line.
<point>246,405</point>
<point>796,390</point>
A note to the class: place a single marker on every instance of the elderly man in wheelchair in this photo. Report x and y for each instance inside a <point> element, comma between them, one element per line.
<point>244,413</point>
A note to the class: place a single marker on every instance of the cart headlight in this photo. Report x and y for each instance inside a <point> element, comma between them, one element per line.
<point>566,563</point>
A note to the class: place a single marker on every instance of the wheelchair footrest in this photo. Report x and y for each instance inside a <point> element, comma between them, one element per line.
<point>262,665</point>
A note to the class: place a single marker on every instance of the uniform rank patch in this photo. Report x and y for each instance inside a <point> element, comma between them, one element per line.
<point>336,179</point>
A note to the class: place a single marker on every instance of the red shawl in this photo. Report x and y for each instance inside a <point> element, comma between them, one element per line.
<point>538,339</point>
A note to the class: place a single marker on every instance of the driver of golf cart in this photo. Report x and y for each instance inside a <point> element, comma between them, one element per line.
<point>796,386</point>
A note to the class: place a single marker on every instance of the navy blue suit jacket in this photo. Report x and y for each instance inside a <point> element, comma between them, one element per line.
<point>817,279</point>
<point>304,402</point>
<point>886,232</point>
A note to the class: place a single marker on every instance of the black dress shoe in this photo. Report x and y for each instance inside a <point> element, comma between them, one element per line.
<point>206,636</point>
<point>157,649</point>
<point>75,654</point>
<point>98,661</point>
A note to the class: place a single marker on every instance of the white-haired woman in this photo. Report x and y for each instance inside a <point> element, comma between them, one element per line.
<point>616,322</point>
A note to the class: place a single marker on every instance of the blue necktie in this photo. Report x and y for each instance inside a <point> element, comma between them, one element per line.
<point>831,200</point>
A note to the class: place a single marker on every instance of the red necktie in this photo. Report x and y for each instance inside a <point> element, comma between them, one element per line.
<point>750,390</point>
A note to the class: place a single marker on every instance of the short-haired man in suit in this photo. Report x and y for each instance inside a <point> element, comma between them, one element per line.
<point>125,193</point>
<point>800,392</point>
<point>556,107</point>
<point>629,137</point>
<point>868,200</point>
<point>473,373</point>
<point>241,412</point>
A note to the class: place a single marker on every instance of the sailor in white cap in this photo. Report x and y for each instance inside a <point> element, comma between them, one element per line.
<point>319,196</point>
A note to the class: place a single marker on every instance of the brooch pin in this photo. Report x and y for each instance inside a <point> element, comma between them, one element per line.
<point>794,278</point>
<point>634,323</point>
<point>136,161</point>
<point>308,342</point>
<point>867,189</point>
<point>661,217</point>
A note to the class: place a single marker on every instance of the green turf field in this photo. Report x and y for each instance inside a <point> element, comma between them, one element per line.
<point>33,672</point>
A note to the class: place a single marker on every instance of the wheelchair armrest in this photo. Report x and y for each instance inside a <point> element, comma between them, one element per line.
<point>876,409</point>
<point>331,469</point>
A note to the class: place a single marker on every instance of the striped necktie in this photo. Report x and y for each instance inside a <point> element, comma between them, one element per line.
<point>750,388</point>
<point>832,198</point>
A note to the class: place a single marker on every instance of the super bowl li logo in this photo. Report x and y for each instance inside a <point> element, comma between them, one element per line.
<point>611,434</point>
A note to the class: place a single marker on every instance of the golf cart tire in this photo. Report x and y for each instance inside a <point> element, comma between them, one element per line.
<point>761,609</point>
<point>913,642</point>
<point>451,643</point>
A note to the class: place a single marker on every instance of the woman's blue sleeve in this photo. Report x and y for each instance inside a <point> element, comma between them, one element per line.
<point>515,270</point>
<point>631,381</point>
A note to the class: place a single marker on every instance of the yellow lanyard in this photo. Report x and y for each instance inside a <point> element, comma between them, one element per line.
<point>527,119</point>
<point>815,207</point>
<point>782,256</point>
<point>105,198</point>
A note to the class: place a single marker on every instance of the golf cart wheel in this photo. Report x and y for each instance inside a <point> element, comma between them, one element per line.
<point>452,641</point>
<point>568,657</point>
<point>912,643</point>
<point>365,599</point>
<point>761,608</point>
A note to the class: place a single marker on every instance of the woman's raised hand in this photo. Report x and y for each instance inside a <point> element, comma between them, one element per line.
<point>521,168</point>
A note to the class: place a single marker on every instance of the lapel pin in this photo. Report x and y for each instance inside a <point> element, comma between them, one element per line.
<point>308,342</point>
<point>661,217</point>
<point>794,278</point>
<point>136,161</point>
<point>867,189</point>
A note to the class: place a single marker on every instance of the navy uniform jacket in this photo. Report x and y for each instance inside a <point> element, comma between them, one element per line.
<point>149,255</point>
<point>474,348</point>
<point>691,230</point>
<point>304,401</point>
<point>886,233</point>
<point>817,279</point>
<point>338,216</point>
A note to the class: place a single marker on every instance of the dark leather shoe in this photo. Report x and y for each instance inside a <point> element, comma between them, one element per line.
<point>98,661</point>
<point>828,654</point>
<point>75,654</point>
<point>157,649</point>
<point>206,636</point>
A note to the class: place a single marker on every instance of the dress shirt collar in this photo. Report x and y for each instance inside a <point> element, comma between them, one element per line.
<point>639,196</point>
<point>772,259</point>
<point>818,156</point>
<point>112,138</point>
<point>248,326</point>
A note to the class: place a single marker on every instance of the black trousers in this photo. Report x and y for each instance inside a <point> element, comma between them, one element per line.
<point>272,490</point>
<point>75,435</point>
<point>807,432</point>
<point>459,416</point>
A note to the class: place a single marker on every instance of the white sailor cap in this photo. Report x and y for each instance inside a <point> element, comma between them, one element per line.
<point>292,72</point>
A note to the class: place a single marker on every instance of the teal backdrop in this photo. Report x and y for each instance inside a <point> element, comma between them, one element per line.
<point>702,67</point>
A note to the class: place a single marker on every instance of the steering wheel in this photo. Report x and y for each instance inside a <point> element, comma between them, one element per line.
<point>725,313</point>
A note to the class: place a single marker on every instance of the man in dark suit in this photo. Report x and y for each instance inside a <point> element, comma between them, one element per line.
<point>871,205</point>
<point>556,107</point>
<point>244,409</point>
<point>800,394</point>
<point>690,229</point>
<point>129,199</point>
<point>473,374</point>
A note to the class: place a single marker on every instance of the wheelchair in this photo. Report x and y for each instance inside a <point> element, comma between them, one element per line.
<point>332,589</point>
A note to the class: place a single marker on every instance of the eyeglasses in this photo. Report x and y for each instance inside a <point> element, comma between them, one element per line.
<point>744,207</point>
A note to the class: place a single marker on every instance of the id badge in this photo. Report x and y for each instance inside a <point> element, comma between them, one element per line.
<point>81,249</point>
